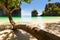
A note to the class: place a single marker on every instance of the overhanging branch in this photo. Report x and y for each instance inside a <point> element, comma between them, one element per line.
<point>16,8</point>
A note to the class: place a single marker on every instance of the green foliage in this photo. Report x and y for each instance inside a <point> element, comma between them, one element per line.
<point>2,0</point>
<point>52,9</point>
<point>27,1</point>
<point>57,9</point>
<point>11,3</point>
<point>49,0</point>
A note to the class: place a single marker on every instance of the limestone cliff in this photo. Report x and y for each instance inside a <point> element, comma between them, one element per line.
<point>52,9</point>
<point>15,13</point>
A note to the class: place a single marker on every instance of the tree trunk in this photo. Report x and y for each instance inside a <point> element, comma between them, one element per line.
<point>38,33</point>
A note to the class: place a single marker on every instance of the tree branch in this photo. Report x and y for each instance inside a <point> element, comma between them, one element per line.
<point>38,33</point>
<point>3,7</point>
<point>16,8</point>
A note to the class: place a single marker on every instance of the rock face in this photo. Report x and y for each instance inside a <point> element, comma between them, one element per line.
<point>52,9</point>
<point>15,13</point>
<point>34,13</point>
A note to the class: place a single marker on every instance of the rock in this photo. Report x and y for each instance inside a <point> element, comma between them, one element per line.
<point>34,13</point>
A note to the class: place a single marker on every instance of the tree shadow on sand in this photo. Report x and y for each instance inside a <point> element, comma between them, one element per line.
<point>21,36</point>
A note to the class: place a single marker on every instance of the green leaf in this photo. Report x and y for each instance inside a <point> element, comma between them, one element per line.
<point>27,1</point>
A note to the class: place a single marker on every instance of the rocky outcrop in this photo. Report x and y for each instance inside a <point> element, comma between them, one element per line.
<point>52,9</point>
<point>34,13</point>
<point>15,13</point>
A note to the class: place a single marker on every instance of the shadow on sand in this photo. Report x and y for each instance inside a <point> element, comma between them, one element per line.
<point>21,36</point>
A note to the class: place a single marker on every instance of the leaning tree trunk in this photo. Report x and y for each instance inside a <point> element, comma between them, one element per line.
<point>38,33</point>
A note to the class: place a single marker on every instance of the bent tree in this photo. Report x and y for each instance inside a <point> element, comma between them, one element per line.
<point>7,4</point>
<point>36,32</point>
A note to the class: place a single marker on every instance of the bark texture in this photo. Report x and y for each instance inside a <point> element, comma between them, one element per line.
<point>38,33</point>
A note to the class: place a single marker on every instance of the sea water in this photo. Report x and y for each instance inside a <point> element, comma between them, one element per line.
<point>32,20</point>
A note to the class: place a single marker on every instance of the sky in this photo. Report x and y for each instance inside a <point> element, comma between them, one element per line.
<point>38,5</point>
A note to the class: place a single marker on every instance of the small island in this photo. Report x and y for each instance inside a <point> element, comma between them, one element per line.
<point>34,13</point>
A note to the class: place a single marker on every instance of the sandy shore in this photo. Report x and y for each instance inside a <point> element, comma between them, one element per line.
<point>53,28</point>
<point>7,34</point>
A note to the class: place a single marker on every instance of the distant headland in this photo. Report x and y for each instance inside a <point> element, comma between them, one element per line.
<point>52,9</point>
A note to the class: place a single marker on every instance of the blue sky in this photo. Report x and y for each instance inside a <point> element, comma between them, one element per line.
<point>39,5</point>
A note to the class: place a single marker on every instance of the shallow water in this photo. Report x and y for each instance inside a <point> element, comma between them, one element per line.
<point>40,21</point>
<point>31,19</point>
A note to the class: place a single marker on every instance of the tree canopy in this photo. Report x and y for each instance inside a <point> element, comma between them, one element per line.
<point>11,3</point>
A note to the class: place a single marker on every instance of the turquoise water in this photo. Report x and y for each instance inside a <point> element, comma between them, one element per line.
<point>31,19</point>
